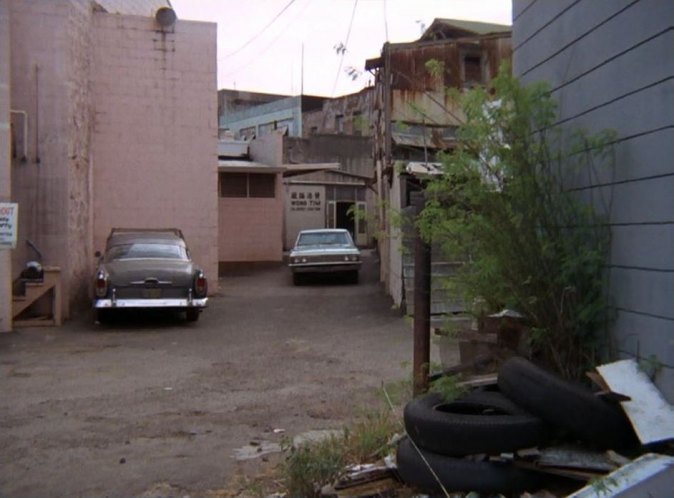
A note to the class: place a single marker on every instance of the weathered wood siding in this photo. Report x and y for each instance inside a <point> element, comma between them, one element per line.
<point>610,65</point>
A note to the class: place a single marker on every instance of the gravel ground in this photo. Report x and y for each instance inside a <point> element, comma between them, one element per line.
<point>154,406</point>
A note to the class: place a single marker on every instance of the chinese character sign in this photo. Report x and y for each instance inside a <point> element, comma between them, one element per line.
<point>305,201</point>
<point>9,220</point>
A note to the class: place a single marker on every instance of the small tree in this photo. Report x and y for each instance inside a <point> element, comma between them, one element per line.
<point>503,208</point>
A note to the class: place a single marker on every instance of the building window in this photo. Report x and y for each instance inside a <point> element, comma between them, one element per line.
<point>339,123</point>
<point>472,70</point>
<point>243,185</point>
<point>233,184</point>
<point>261,185</point>
<point>358,123</point>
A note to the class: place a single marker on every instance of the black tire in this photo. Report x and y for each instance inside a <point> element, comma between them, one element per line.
<point>565,405</point>
<point>457,474</point>
<point>354,277</point>
<point>192,314</point>
<point>297,279</point>
<point>481,422</point>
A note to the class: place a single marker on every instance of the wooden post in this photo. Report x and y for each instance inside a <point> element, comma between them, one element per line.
<point>422,304</point>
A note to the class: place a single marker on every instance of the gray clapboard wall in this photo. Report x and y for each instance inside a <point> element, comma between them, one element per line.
<point>446,303</point>
<point>610,64</point>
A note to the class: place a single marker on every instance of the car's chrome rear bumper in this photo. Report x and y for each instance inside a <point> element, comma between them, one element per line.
<point>151,303</point>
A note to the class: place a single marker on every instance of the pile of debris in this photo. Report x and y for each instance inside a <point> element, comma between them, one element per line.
<point>531,434</point>
<point>531,430</point>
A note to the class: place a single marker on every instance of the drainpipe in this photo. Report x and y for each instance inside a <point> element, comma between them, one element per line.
<point>25,131</point>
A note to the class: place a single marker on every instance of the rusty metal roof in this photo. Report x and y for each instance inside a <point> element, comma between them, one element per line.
<point>447,29</point>
<point>431,138</point>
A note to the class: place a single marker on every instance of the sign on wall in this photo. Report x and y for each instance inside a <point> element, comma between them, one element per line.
<point>304,209</point>
<point>308,200</point>
<point>9,224</point>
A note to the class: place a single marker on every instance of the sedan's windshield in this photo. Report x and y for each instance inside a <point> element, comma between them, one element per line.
<point>143,250</point>
<point>327,239</point>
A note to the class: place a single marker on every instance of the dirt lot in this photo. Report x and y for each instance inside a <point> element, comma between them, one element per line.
<point>156,406</point>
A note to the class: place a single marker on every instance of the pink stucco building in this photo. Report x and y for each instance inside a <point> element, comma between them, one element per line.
<point>250,203</point>
<point>121,117</point>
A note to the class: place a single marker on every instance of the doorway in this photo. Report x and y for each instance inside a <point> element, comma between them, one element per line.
<point>344,217</point>
<point>340,214</point>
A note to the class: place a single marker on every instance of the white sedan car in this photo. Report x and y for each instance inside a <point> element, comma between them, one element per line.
<point>324,251</point>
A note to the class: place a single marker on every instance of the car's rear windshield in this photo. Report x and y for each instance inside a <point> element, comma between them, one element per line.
<point>144,250</point>
<point>328,239</point>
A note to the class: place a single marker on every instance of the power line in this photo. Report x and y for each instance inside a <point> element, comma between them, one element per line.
<point>266,48</point>
<point>259,33</point>
<point>346,44</point>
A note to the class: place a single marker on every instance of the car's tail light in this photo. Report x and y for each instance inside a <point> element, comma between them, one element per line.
<point>101,285</point>
<point>200,285</point>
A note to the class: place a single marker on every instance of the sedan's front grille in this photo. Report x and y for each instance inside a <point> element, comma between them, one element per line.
<point>325,259</point>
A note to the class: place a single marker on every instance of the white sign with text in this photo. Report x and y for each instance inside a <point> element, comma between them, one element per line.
<point>9,224</point>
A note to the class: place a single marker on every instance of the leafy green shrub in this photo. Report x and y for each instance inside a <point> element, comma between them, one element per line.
<point>503,207</point>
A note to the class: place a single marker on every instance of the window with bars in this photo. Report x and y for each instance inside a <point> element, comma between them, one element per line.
<point>243,185</point>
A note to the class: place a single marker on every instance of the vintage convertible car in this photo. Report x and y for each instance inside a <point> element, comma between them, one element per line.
<point>324,251</point>
<point>148,268</point>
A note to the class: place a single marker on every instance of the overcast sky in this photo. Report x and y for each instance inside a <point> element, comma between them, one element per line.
<point>260,41</point>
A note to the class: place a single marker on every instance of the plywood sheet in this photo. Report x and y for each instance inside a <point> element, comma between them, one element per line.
<point>650,414</point>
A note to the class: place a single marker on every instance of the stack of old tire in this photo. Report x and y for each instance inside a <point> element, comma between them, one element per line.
<point>449,444</point>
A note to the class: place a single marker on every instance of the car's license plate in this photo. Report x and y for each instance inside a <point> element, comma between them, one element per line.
<point>151,293</point>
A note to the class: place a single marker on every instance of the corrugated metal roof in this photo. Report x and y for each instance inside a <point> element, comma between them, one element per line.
<point>331,177</point>
<point>427,140</point>
<point>302,168</point>
<point>423,169</point>
<point>239,166</point>
<point>445,29</point>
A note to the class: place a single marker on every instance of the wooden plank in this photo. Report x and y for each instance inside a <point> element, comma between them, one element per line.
<point>34,322</point>
<point>650,414</point>
<point>479,381</point>
<point>575,458</point>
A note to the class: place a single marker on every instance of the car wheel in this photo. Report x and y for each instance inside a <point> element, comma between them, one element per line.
<point>354,277</point>
<point>458,474</point>
<point>297,279</point>
<point>192,314</point>
<point>480,422</point>
<point>564,404</point>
